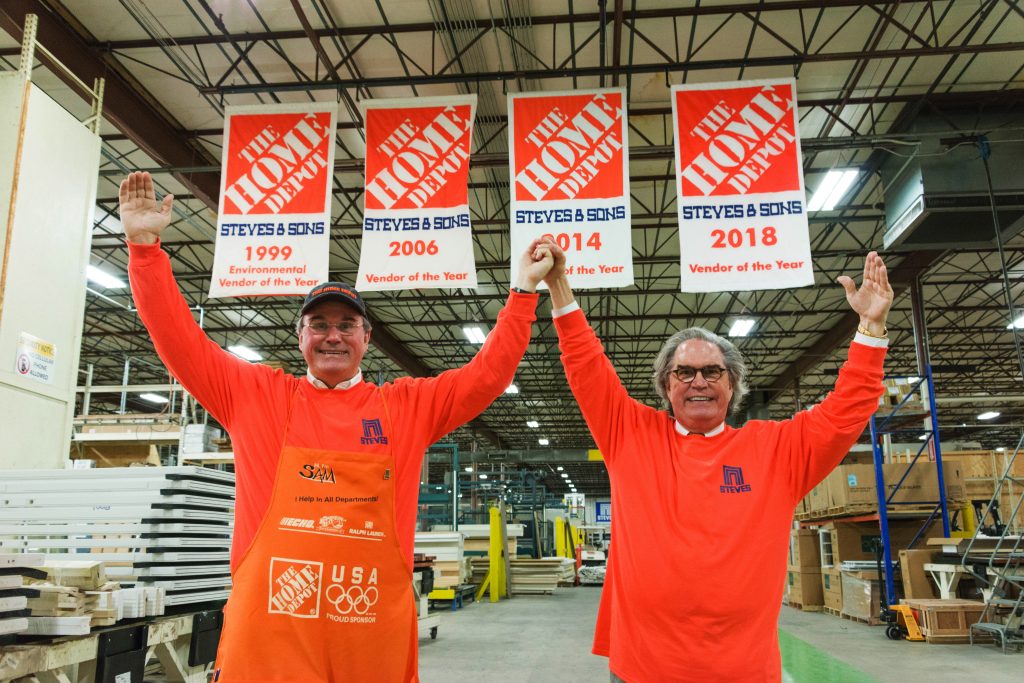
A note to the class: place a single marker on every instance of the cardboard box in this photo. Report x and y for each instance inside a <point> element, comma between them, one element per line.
<point>916,584</point>
<point>832,589</point>
<point>854,485</point>
<point>804,587</point>
<point>819,499</point>
<point>855,540</point>
<point>862,596</point>
<point>946,621</point>
<point>804,549</point>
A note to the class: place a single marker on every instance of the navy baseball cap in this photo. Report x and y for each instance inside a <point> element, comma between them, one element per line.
<point>333,291</point>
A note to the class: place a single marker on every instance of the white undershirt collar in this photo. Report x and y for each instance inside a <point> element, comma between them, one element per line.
<point>347,384</point>
<point>714,432</point>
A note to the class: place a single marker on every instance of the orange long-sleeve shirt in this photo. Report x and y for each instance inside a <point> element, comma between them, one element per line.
<point>251,400</point>
<point>700,525</point>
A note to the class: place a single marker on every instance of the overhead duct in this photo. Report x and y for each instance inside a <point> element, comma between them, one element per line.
<point>939,198</point>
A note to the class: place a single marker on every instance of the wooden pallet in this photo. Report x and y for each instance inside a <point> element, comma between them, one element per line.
<point>805,608</point>
<point>870,621</point>
<point>833,612</point>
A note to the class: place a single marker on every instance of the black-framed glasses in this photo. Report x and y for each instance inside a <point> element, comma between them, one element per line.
<point>710,373</point>
<point>346,327</point>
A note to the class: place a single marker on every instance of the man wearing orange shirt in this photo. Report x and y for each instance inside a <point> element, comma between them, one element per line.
<point>702,511</point>
<point>327,467</point>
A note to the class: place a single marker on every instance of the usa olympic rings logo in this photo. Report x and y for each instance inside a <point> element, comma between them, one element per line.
<point>354,599</point>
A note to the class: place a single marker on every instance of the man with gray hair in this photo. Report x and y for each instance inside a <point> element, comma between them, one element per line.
<point>701,512</point>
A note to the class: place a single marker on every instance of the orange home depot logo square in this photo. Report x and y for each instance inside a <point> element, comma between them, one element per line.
<point>737,141</point>
<point>294,587</point>
<point>277,163</point>
<point>568,146</point>
<point>418,158</point>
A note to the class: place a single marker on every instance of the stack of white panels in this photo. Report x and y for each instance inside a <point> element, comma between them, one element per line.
<point>16,569</point>
<point>166,528</point>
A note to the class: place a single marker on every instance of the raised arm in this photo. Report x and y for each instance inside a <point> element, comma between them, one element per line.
<point>456,396</point>
<point>604,402</point>
<point>823,435</point>
<point>207,371</point>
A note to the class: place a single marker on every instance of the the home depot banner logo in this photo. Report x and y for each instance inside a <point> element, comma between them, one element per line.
<point>416,228</point>
<point>569,169</point>
<point>273,226</point>
<point>739,181</point>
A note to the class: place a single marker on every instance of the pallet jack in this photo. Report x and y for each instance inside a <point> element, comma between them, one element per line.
<point>899,619</point>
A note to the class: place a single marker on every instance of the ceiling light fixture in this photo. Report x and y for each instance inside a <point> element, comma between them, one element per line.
<point>103,278</point>
<point>474,334</point>
<point>831,189</point>
<point>245,353</point>
<point>988,415</point>
<point>483,476</point>
<point>532,424</point>
<point>1017,324</point>
<point>469,469</point>
<point>512,389</point>
<point>741,327</point>
<point>565,475</point>
<point>153,398</point>
<point>543,442</point>
<point>559,468</point>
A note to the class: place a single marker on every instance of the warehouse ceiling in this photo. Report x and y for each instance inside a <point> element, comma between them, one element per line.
<point>868,73</point>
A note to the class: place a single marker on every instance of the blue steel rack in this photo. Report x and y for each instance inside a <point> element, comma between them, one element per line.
<point>885,500</point>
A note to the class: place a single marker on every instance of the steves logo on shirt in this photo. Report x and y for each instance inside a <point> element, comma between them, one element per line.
<point>317,472</point>
<point>373,433</point>
<point>733,480</point>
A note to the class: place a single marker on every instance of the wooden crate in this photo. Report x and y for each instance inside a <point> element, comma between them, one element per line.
<point>946,621</point>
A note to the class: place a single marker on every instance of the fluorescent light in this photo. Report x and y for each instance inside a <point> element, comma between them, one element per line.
<point>565,475</point>
<point>103,278</point>
<point>245,353</point>
<point>1017,324</point>
<point>1000,449</point>
<point>913,380</point>
<point>831,189</point>
<point>741,328</point>
<point>532,424</point>
<point>154,398</point>
<point>543,442</point>
<point>559,468</point>
<point>483,476</point>
<point>512,389</point>
<point>469,469</point>
<point>474,334</point>
<point>923,437</point>
<point>988,415</point>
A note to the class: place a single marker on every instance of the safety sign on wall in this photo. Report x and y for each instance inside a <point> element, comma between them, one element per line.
<point>274,220</point>
<point>569,171</point>
<point>416,227</point>
<point>34,358</point>
<point>740,188</point>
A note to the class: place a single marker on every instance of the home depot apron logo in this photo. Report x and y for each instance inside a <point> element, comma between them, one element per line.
<point>295,587</point>
<point>352,594</point>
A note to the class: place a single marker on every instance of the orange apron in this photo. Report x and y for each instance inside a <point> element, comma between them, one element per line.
<point>323,593</point>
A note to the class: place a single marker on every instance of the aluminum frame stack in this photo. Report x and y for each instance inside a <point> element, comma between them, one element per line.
<point>152,526</point>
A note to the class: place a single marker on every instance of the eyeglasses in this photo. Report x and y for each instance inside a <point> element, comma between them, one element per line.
<point>346,328</point>
<point>710,373</point>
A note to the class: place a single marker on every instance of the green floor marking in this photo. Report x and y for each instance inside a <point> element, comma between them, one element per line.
<point>804,663</point>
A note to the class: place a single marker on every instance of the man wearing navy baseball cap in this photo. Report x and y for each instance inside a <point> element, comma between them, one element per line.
<point>327,466</point>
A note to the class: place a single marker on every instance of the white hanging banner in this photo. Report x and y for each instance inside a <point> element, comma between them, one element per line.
<point>740,187</point>
<point>416,228</point>
<point>569,169</point>
<point>273,224</point>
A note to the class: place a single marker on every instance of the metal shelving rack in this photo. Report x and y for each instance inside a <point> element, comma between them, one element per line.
<point>886,426</point>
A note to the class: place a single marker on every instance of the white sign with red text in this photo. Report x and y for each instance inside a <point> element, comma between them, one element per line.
<point>416,228</point>
<point>569,169</point>
<point>740,187</point>
<point>273,225</point>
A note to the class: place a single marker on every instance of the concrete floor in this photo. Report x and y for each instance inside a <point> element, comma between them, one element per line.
<point>538,639</point>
